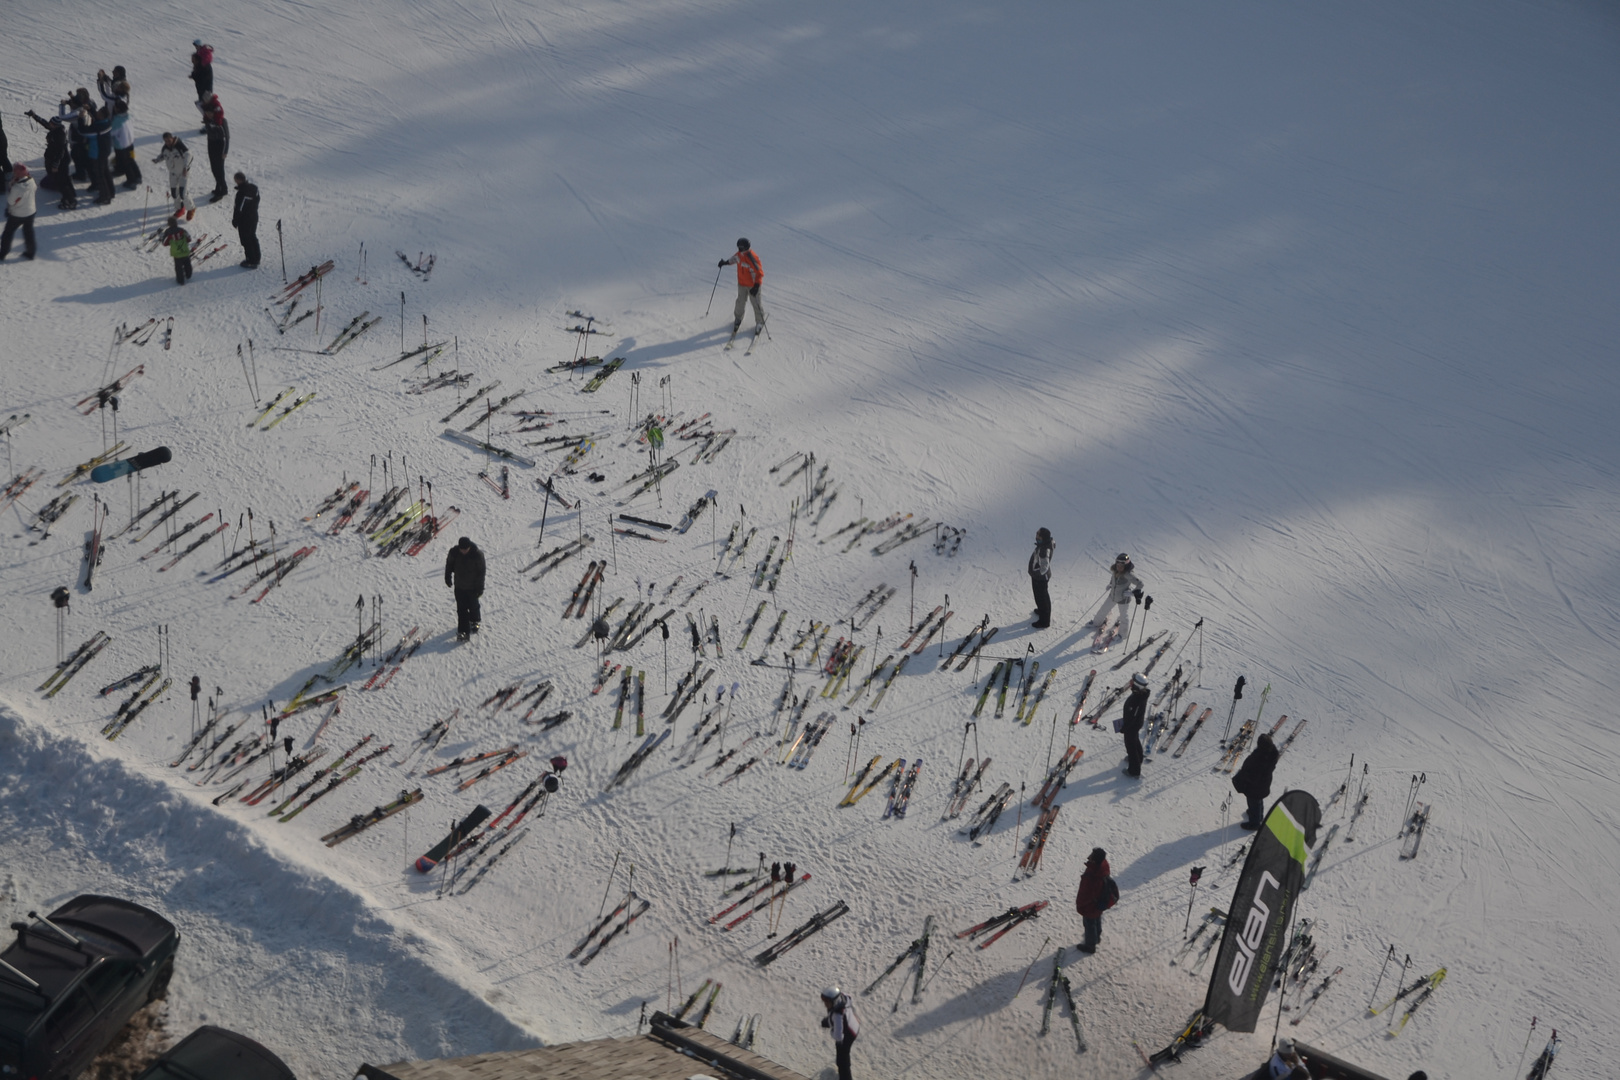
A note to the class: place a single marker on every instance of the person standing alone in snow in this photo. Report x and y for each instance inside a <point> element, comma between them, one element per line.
<point>843,1023</point>
<point>1135,714</point>
<point>1040,572</point>
<point>1123,586</point>
<point>19,211</point>
<point>464,572</point>
<point>750,276</point>
<point>1253,779</point>
<point>245,219</point>
<point>1096,895</point>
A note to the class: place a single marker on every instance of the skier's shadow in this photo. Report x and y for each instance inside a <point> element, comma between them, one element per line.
<point>1169,856</point>
<point>1109,778</point>
<point>991,995</point>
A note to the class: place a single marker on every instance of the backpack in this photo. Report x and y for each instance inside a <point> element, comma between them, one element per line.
<point>1110,894</point>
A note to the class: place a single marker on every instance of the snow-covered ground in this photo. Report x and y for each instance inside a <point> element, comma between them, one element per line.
<point>1303,307</point>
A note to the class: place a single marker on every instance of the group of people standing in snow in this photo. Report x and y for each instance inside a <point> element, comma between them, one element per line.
<point>94,145</point>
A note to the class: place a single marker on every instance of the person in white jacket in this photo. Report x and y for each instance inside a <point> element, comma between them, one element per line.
<point>124,162</point>
<point>177,158</point>
<point>19,212</point>
<point>1123,587</point>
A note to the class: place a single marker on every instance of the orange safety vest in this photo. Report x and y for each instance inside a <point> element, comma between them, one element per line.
<point>750,272</point>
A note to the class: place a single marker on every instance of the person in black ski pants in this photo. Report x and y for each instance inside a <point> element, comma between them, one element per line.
<point>1040,572</point>
<point>1253,779</point>
<point>1135,714</point>
<point>844,1024</point>
<point>57,162</point>
<point>245,219</point>
<point>464,572</point>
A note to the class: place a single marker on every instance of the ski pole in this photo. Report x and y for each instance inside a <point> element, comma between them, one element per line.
<point>1237,695</point>
<point>733,836</point>
<point>283,248</point>
<point>1197,872</point>
<point>1147,606</point>
<point>1526,1050</point>
<point>1036,957</point>
<point>714,290</point>
<point>603,906</point>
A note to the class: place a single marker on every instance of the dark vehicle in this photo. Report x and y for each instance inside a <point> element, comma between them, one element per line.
<point>212,1053</point>
<point>70,983</point>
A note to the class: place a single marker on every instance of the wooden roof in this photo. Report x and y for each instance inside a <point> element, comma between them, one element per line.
<point>664,1054</point>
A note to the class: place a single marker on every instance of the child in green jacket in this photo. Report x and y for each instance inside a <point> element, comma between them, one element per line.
<point>179,242</point>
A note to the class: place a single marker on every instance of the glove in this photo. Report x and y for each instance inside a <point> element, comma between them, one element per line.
<point>1138,594</point>
<point>722,262</point>
<point>826,1021</point>
<point>754,291</point>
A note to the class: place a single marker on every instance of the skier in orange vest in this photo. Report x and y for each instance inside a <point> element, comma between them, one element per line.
<point>750,274</point>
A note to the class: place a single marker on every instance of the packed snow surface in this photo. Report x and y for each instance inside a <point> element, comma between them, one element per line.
<point>1309,309</point>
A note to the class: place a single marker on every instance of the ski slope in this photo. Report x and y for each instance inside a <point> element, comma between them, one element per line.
<point>1303,308</point>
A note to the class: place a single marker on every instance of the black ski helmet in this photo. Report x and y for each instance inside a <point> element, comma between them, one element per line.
<point>742,244</point>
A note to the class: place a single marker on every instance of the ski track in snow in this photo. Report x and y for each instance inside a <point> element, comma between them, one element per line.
<point>1329,355</point>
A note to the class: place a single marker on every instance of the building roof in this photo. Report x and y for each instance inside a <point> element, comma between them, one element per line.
<point>671,1051</point>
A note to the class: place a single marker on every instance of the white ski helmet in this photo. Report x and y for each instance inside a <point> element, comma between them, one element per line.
<point>1140,681</point>
<point>831,993</point>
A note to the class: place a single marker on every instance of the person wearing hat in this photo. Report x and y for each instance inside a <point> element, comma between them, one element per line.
<point>1253,779</point>
<point>179,242</point>
<point>1131,727</point>
<point>219,143</point>
<point>202,72</point>
<point>1094,898</point>
<point>750,276</point>
<point>1284,1062</point>
<point>464,572</point>
<point>844,1024</point>
<point>19,212</point>
<point>123,140</point>
<point>1123,586</point>
<point>57,164</point>
<point>177,159</point>
<point>245,220</point>
<point>1040,572</point>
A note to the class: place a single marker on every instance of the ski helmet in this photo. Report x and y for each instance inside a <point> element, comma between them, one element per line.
<point>19,170</point>
<point>742,245</point>
<point>831,993</point>
<point>1122,557</point>
<point>1140,681</point>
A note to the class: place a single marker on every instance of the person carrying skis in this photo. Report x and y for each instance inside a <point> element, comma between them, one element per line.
<point>245,220</point>
<point>19,212</point>
<point>464,572</point>
<point>1135,714</point>
<point>177,159</point>
<point>202,72</point>
<point>1040,572</point>
<point>750,275</point>
<point>1123,586</point>
<point>179,242</point>
<point>1253,779</point>
<point>1096,895</point>
<point>844,1024</point>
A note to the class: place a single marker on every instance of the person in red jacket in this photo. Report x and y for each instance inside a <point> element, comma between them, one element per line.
<point>1093,898</point>
<point>750,276</point>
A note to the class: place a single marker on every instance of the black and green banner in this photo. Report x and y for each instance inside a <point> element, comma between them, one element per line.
<point>1262,909</point>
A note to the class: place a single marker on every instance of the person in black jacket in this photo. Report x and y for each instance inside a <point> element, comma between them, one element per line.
<point>219,143</point>
<point>1135,714</point>
<point>245,219</point>
<point>1040,572</point>
<point>1253,779</point>
<point>464,572</point>
<point>57,163</point>
<point>5,162</point>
